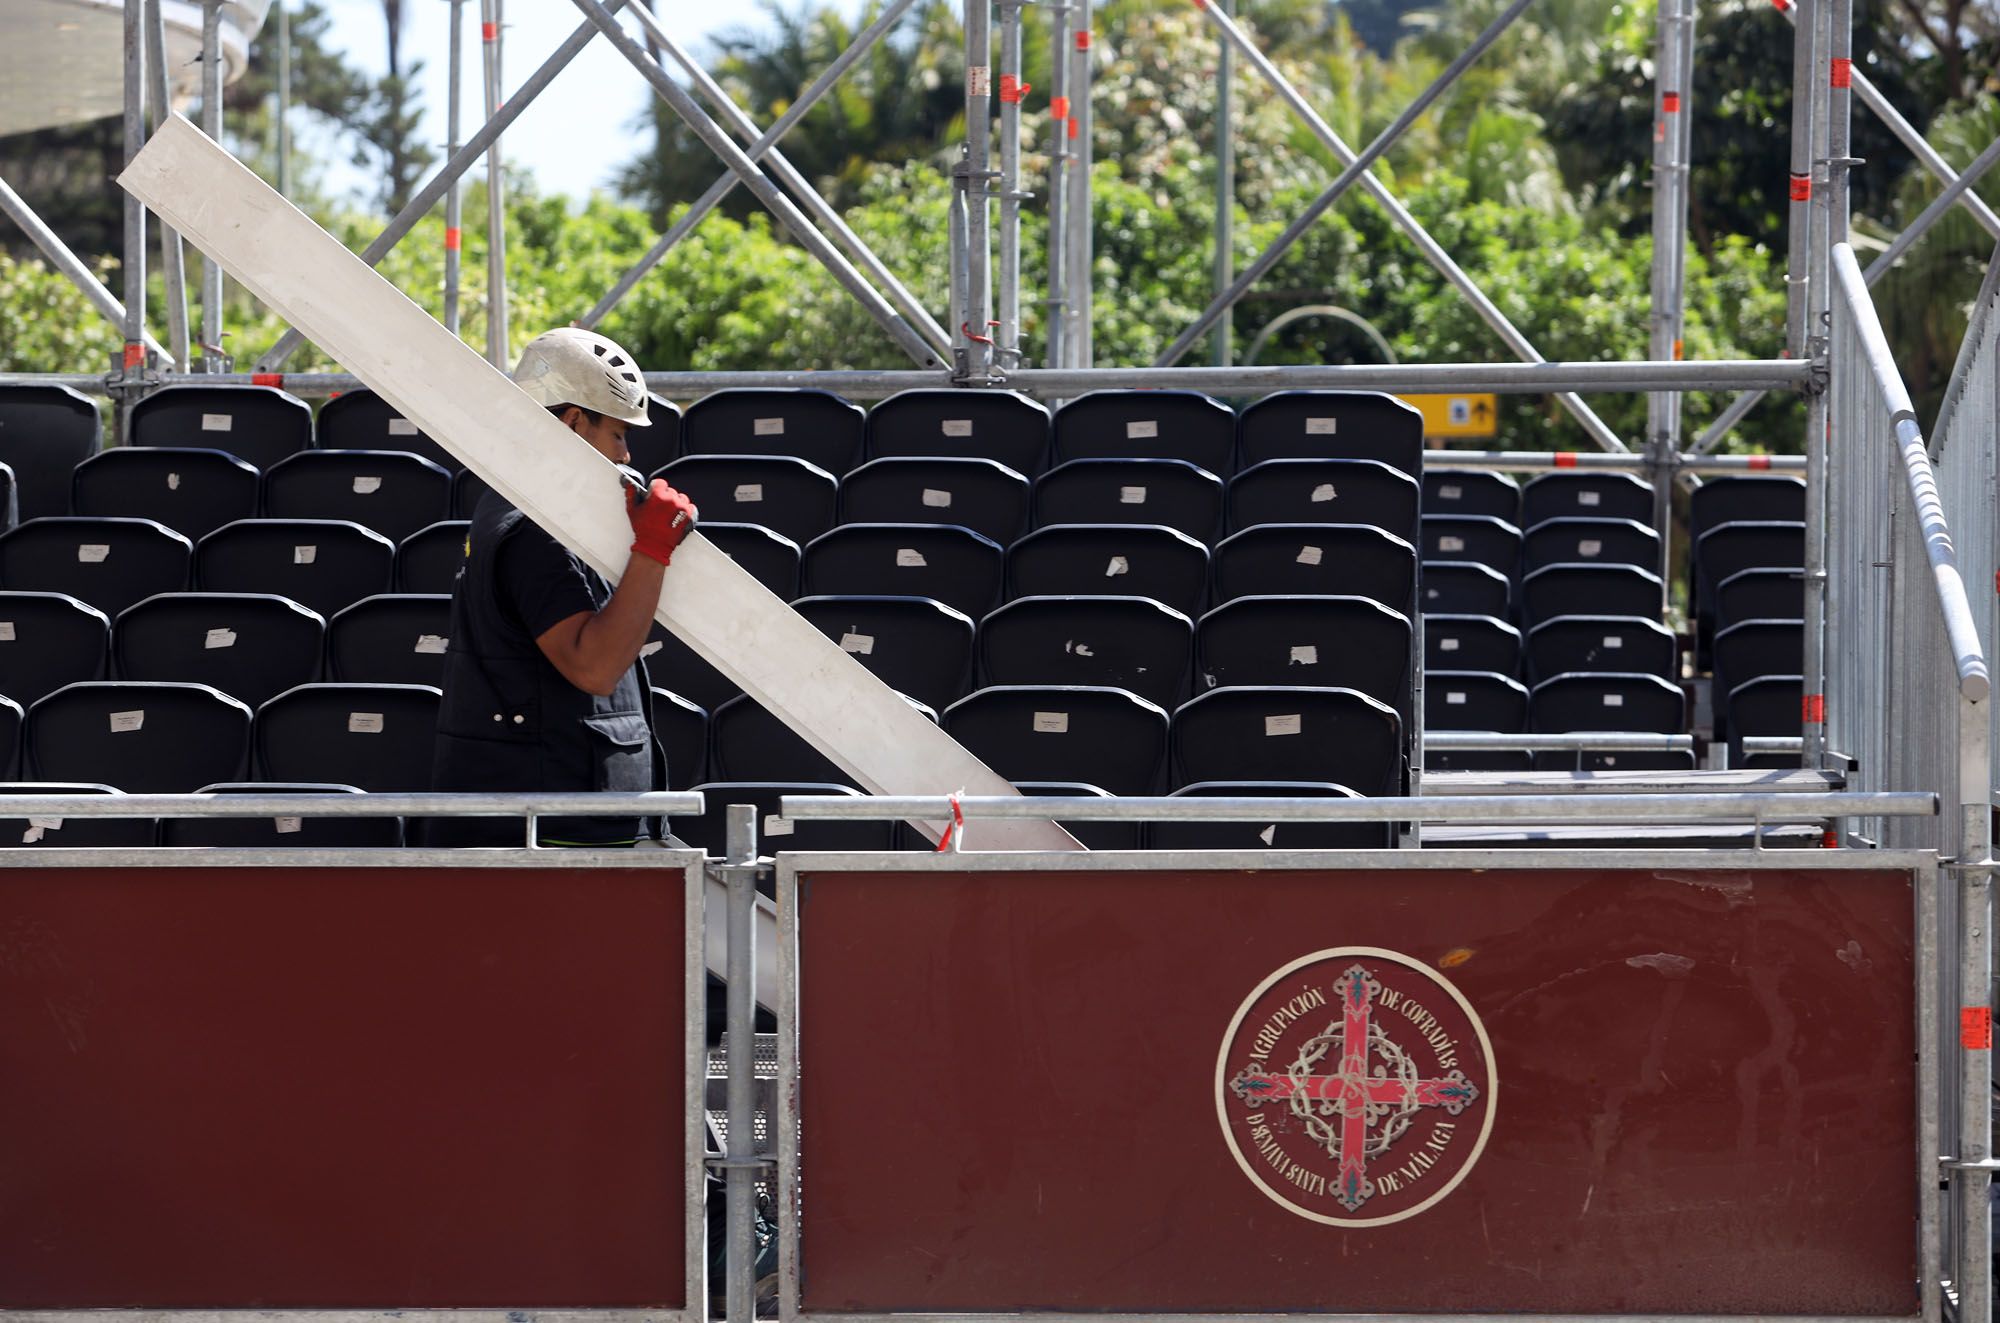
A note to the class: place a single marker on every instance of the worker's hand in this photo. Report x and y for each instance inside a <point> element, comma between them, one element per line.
<point>660,520</point>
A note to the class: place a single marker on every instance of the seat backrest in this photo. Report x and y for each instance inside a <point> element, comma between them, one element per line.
<point>1586,494</point>
<point>948,564</point>
<point>789,496</point>
<point>1130,643</point>
<point>1126,560</point>
<point>13,718</point>
<point>1596,700</point>
<point>1340,560</point>
<point>428,560</point>
<point>250,646</point>
<point>109,563</point>
<point>390,491</point>
<point>1481,539</point>
<point>1574,589</point>
<point>362,420</point>
<point>746,742</point>
<point>1471,643</point>
<point>45,432</point>
<point>1000,425</point>
<point>392,638</point>
<point>673,664</point>
<point>1472,492</point>
<point>48,640</point>
<point>1742,545</point>
<point>680,738</point>
<point>261,424</point>
<point>915,645</point>
<point>1146,424</point>
<point>193,492</point>
<point>1474,700</point>
<point>282,833</point>
<point>1744,496</point>
<point>1632,644</point>
<point>1332,424</point>
<point>776,833</point>
<point>1171,492</point>
<point>1290,733</point>
<point>1194,834</point>
<point>1323,641</point>
<point>1764,593</point>
<point>1463,588</point>
<point>771,559</point>
<point>657,444</point>
<point>377,737</point>
<point>324,565</point>
<point>141,736</point>
<point>1751,649</point>
<point>1585,541</point>
<point>1103,737</point>
<point>980,494</point>
<point>44,832</point>
<point>1771,706</point>
<point>813,425</point>
<point>466,489</point>
<point>1323,491</point>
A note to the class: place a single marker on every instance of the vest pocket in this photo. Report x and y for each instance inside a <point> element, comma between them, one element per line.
<point>621,752</point>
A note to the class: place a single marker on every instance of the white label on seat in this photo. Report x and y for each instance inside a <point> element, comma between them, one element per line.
<point>1306,654</point>
<point>747,492</point>
<point>1590,546</point>
<point>651,648</point>
<point>863,644</point>
<point>123,723</point>
<point>1449,543</point>
<point>287,826</point>
<point>432,644</point>
<point>1455,698</point>
<point>1451,491</point>
<point>363,486</point>
<point>1269,835</point>
<point>1614,700</point>
<point>1141,428</point>
<point>936,499</point>
<point>304,555</point>
<point>1052,723</point>
<point>956,426</point>
<point>217,422</point>
<point>364,723</point>
<point>910,559</point>
<point>767,427</point>
<point>1447,645</point>
<point>219,638</point>
<point>1321,426</point>
<point>1613,641</point>
<point>1310,555</point>
<point>1286,725</point>
<point>1074,648</point>
<point>402,427</point>
<point>6,631</point>
<point>1119,565</point>
<point>92,553</point>
<point>173,482</point>
<point>1323,493</point>
<point>1590,498</point>
<point>46,824</point>
<point>777,826</point>
<point>1131,496</point>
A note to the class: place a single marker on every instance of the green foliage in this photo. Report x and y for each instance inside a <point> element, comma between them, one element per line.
<point>46,325</point>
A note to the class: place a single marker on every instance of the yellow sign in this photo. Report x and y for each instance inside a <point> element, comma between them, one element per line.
<point>1458,415</point>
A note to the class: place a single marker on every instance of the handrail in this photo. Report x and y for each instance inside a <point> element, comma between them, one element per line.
<point>1596,741</point>
<point>334,805</point>
<point>1974,682</point>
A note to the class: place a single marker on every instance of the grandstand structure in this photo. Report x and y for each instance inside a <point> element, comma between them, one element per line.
<point>1333,713</point>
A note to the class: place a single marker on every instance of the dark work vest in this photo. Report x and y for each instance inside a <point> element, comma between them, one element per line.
<point>510,721</point>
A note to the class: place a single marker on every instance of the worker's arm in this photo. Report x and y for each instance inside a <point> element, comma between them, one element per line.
<point>594,649</point>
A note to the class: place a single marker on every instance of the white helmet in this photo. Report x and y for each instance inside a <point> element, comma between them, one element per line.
<point>572,366</point>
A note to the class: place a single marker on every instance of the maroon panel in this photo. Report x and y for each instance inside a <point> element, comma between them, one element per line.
<point>341,1087</point>
<point>1700,1087</point>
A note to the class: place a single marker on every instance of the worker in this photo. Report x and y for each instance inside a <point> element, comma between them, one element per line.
<point>544,688</point>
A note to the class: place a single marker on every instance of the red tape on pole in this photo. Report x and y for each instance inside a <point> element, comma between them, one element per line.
<point>275,380</point>
<point>454,238</point>
<point>1843,73</point>
<point>1012,89</point>
<point>1565,459</point>
<point>1670,102</point>
<point>1812,709</point>
<point>489,31</point>
<point>1975,1028</point>
<point>135,355</point>
<point>1801,188</point>
<point>1759,463</point>
<point>1059,107</point>
<point>1083,40</point>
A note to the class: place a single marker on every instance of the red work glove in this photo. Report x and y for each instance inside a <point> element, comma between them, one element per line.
<point>659,521</point>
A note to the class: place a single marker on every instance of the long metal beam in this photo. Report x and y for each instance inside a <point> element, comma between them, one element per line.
<point>1384,140</point>
<point>761,185</point>
<point>173,262</point>
<point>64,260</point>
<point>133,251</point>
<point>1012,89</point>
<point>213,355</point>
<point>498,348</point>
<point>722,187</point>
<point>1431,250</point>
<point>976,331</point>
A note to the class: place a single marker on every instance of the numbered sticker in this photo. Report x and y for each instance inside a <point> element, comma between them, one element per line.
<point>364,723</point>
<point>219,638</point>
<point>1290,724</point>
<point>1052,723</point>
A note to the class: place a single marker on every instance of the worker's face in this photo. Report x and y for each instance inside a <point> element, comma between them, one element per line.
<point>606,435</point>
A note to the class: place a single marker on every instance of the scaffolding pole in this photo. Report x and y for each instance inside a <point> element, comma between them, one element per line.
<point>977,330</point>
<point>1079,343</point>
<point>173,257</point>
<point>1674,68</point>
<point>496,194</point>
<point>1814,40</point>
<point>133,252</point>
<point>1012,89</point>
<point>454,199</point>
<point>1225,188</point>
<point>285,97</point>
<point>1055,251</point>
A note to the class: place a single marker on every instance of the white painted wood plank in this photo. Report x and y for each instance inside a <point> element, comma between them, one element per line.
<point>480,416</point>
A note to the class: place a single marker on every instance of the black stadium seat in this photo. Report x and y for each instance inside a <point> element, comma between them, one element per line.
<point>1461,588</point>
<point>322,564</point>
<point>673,665</point>
<point>1474,700</point>
<point>680,738</point>
<point>1102,737</point>
<point>386,490</point>
<point>250,646</point>
<point>1147,424</point>
<point>1752,649</point>
<point>1471,643</point>
<point>1350,560</point>
<point>193,492</point>
<point>952,565</point>
<point>1731,548</point>
<point>393,638</point>
<point>914,645</point>
<point>1738,497</point>
<point>468,487</point>
<point>771,559</point>
<point>13,717</point>
<point>1770,706</point>
<point>143,737</point>
<point>362,420</point>
<point>54,833</point>
<point>1472,492</point>
<point>1171,492</point>
<point>1586,494</point>
<point>1327,642</point>
<point>1598,701</point>
<point>371,736</point>
<point>45,432</point>
<point>109,563</point>
<point>1576,589</point>
<point>983,424</point>
<point>710,831</point>
<point>1196,834</point>
<point>987,497</point>
<point>1590,541</point>
<point>48,640</point>
<point>1124,560</point>
<point>261,424</point>
<point>747,742</point>
<point>657,444</point>
<point>10,498</point>
<point>282,833</point>
<point>1481,539</point>
<point>1633,644</point>
<point>1323,491</point>
<point>428,560</point>
<point>1766,593</point>
<point>791,497</point>
<point>1290,733</point>
<point>1331,424</point>
<point>1131,643</point>
<point>812,425</point>
<point>1092,835</point>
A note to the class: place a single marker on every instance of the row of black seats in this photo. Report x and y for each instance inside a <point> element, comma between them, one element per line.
<point>1570,703</point>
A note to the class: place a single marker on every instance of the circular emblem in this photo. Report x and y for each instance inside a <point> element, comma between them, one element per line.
<point>1356,1086</point>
